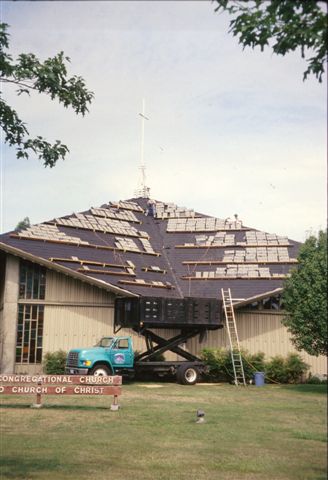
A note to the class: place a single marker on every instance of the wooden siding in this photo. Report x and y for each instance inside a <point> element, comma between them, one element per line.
<point>74,327</point>
<point>78,315</point>
<point>62,288</point>
<point>259,332</point>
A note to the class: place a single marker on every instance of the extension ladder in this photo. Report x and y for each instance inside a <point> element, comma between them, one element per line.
<point>236,358</point>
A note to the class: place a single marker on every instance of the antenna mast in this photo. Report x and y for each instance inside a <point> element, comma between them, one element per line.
<point>142,190</point>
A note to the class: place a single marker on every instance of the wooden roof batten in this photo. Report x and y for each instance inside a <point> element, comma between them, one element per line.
<point>66,271</point>
<point>74,247</point>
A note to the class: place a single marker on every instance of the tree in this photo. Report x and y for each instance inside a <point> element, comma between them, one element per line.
<point>28,73</point>
<point>286,24</point>
<point>305,297</point>
<point>25,223</point>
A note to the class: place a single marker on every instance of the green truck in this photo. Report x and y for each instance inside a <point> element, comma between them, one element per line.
<point>114,355</point>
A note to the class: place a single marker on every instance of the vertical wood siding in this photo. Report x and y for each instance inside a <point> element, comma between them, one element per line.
<point>259,332</point>
<point>61,288</point>
<point>73,327</point>
<point>70,325</point>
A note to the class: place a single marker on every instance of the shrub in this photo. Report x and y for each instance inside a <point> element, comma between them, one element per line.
<point>54,362</point>
<point>253,363</point>
<point>286,370</point>
<point>278,369</point>
<point>275,370</point>
<point>296,368</point>
<point>217,361</point>
<point>221,368</point>
<point>317,379</point>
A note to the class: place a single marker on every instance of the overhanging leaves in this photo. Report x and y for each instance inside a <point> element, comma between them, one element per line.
<point>29,74</point>
<point>286,25</point>
<point>305,297</point>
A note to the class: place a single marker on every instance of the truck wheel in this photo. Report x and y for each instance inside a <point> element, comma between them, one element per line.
<point>100,371</point>
<point>187,375</point>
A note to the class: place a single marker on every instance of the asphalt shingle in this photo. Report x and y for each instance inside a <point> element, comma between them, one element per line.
<point>153,248</point>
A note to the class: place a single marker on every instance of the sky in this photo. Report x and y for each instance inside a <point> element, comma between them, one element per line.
<point>230,131</point>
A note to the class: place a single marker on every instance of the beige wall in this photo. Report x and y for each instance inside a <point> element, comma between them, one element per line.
<point>259,332</point>
<point>9,315</point>
<point>78,314</point>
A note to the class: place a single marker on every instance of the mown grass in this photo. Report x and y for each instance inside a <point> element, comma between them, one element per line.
<point>266,433</point>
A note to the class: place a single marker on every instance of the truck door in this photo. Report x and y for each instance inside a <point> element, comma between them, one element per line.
<point>121,354</point>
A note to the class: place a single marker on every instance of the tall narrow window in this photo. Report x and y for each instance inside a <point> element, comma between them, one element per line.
<point>32,281</point>
<point>29,334</point>
<point>32,284</point>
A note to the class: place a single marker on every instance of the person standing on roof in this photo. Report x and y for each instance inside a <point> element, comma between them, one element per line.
<point>151,210</point>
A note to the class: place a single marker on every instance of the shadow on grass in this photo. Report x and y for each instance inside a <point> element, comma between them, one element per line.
<point>306,388</point>
<point>23,468</point>
<point>22,406</point>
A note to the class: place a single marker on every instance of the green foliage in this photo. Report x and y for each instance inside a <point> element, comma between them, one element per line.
<point>25,223</point>
<point>285,25</point>
<point>253,363</point>
<point>286,370</point>
<point>217,360</point>
<point>54,362</point>
<point>314,380</point>
<point>28,74</point>
<point>305,297</point>
<point>221,368</point>
<point>278,369</point>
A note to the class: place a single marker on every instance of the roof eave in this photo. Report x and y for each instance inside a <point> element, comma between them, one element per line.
<point>66,271</point>
<point>256,298</point>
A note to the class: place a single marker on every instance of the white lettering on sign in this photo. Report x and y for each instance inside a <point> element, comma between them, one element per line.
<point>61,379</point>
<point>2,389</point>
<point>100,380</point>
<point>27,390</point>
<point>35,379</point>
<point>88,390</point>
<point>60,389</point>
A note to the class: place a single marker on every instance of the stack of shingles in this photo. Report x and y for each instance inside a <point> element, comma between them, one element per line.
<point>251,255</point>
<point>229,256</point>
<point>49,232</point>
<point>223,238</point>
<point>283,254</point>
<point>236,271</point>
<point>170,210</point>
<point>147,245</point>
<point>201,239</point>
<point>126,244</point>
<point>264,272</point>
<point>220,238</point>
<point>262,254</point>
<point>240,256</point>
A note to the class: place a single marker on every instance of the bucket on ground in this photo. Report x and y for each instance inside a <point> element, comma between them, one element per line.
<point>259,379</point>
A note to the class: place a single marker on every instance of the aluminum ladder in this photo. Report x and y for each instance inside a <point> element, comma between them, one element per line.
<point>236,358</point>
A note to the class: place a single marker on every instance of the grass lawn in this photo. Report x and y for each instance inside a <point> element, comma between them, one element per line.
<point>264,433</point>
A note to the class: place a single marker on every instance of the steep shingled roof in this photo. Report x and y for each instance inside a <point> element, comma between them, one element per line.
<point>153,248</point>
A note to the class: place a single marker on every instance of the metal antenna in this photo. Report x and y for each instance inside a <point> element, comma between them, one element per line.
<point>142,190</point>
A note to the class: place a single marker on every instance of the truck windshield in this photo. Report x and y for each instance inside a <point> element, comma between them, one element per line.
<point>105,342</point>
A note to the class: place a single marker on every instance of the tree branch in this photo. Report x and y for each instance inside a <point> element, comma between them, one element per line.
<point>17,82</point>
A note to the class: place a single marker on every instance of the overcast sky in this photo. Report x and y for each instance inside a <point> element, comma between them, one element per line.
<point>230,131</point>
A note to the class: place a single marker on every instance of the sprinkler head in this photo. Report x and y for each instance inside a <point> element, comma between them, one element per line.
<point>200,414</point>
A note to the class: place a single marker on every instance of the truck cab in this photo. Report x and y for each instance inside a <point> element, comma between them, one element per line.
<point>110,356</point>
